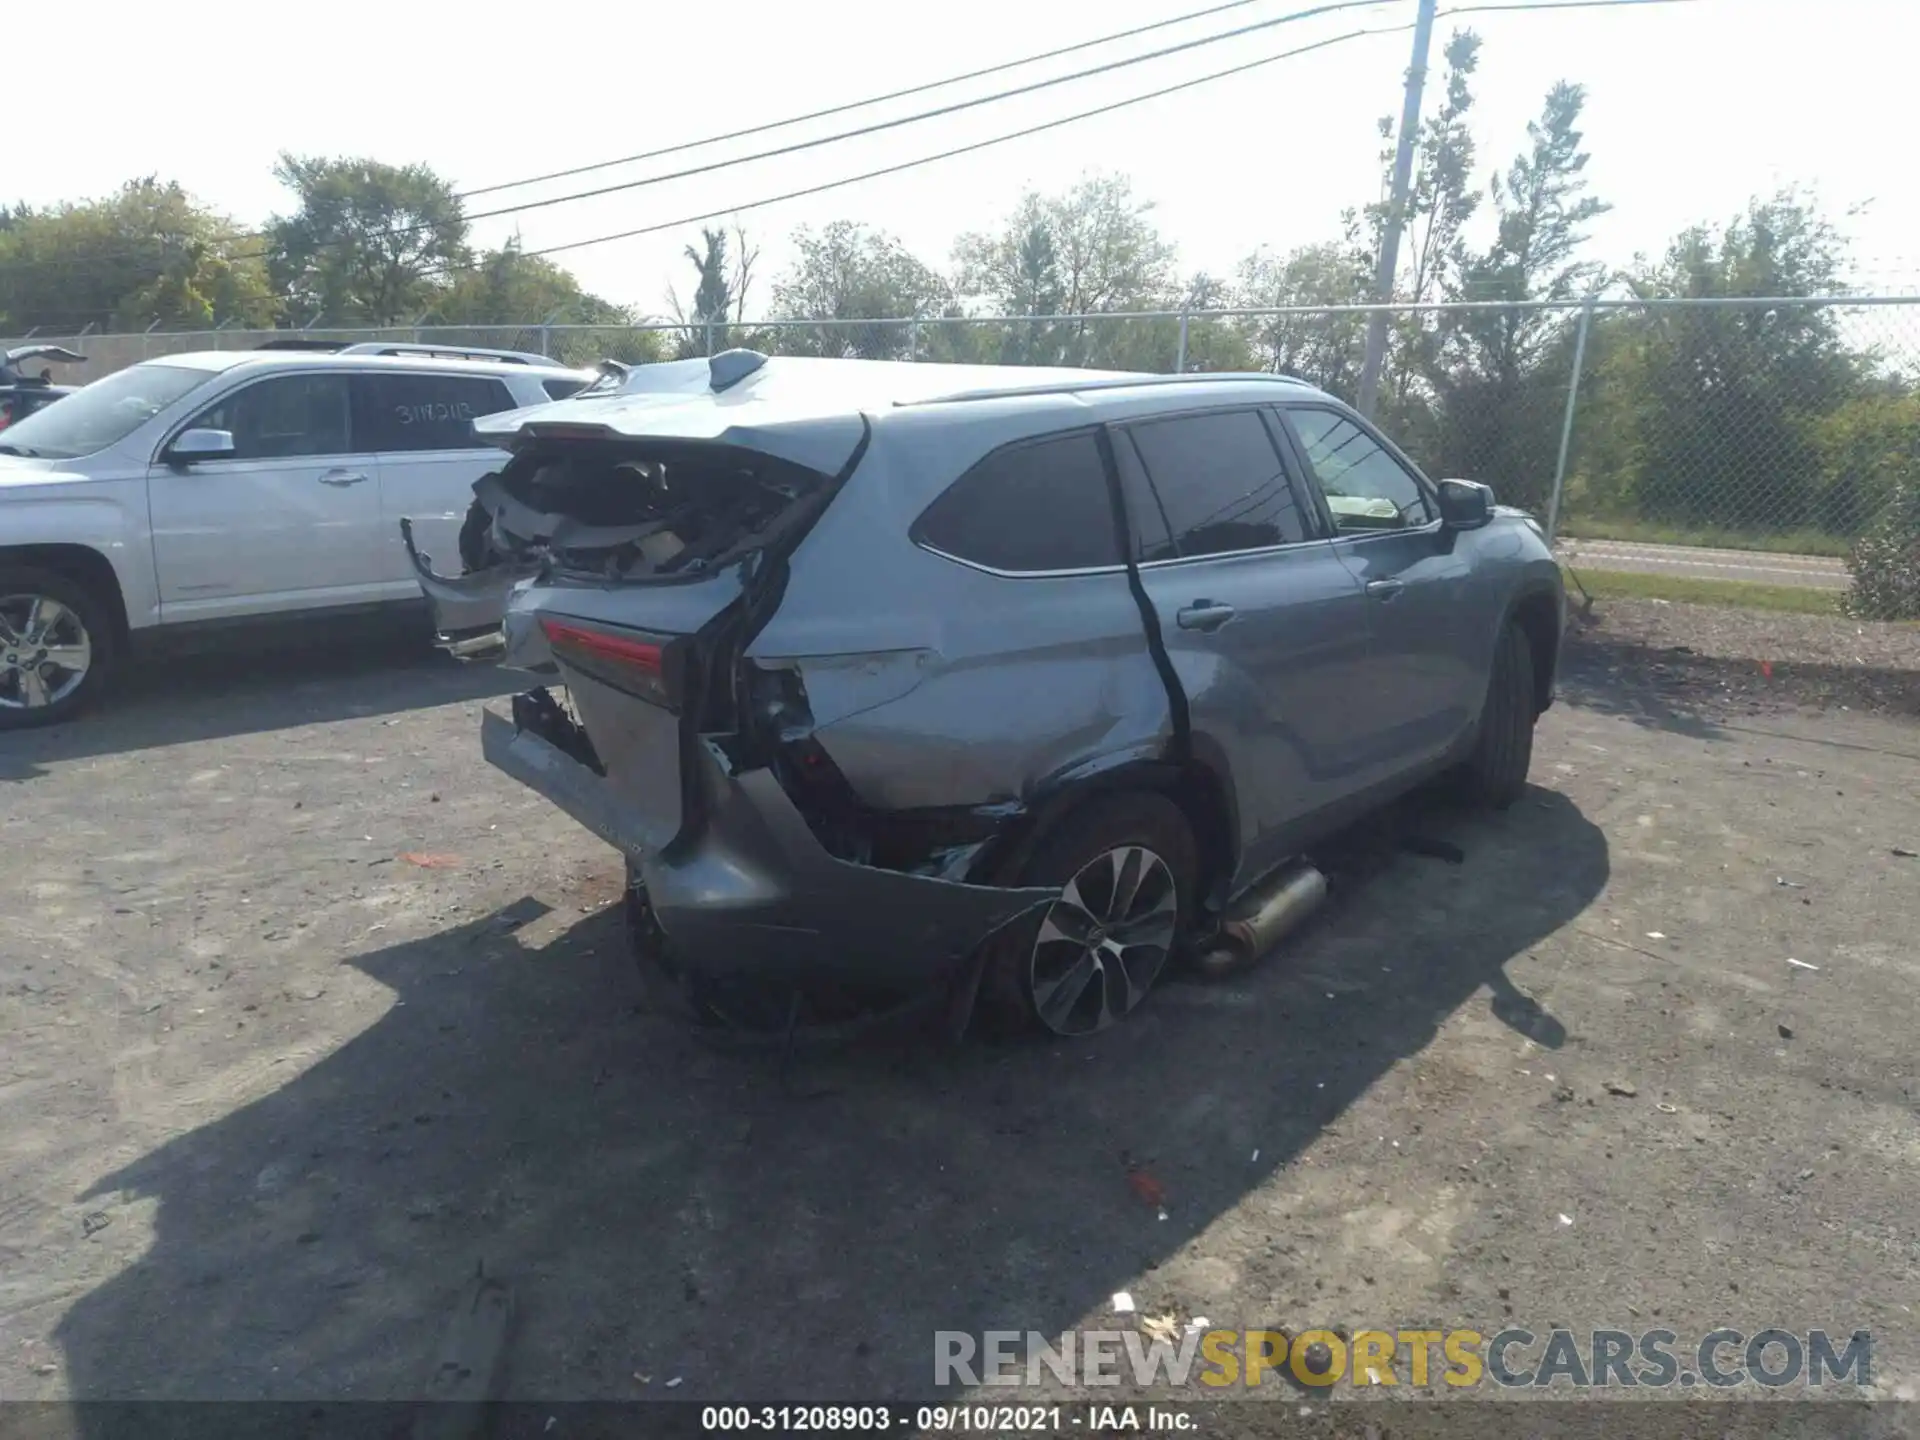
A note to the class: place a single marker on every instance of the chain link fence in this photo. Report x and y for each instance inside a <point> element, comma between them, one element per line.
<point>1766,424</point>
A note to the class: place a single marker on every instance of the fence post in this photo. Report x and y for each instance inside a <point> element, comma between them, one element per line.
<point>1566,424</point>
<point>546,341</point>
<point>146,344</point>
<point>913,338</point>
<point>1180,360</point>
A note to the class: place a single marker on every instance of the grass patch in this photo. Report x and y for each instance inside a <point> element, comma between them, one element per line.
<point>1795,542</point>
<point>1740,594</point>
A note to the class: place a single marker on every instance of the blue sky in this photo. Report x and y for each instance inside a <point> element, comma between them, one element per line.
<point>1693,108</point>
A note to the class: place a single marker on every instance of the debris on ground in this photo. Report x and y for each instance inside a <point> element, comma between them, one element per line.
<point>94,1221</point>
<point>1665,1109</point>
<point>1566,1220</point>
<point>1801,964</point>
<point>471,1360</point>
<point>429,861</point>
<point>1786,1032</point>
<point>1906,854</point>
<point>1789,884</point>
<point>1147,1188</point>
<point>673,1383</point>
<point>1655,935</point>
<point>1122,1303</point>
<point>1621,1087</point>
<point>1161,1327</point>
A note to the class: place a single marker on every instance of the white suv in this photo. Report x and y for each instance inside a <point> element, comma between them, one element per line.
<point>230,485</point>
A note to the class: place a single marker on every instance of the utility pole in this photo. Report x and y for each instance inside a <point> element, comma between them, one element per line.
<point>1396,211</point>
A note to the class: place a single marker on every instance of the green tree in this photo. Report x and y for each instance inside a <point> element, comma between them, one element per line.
<point>1092,250</point>
<point>715,304</point>
<point>1324,349</point>
<point>1734,413</point>
<point>505,287</point>
<point>1501,376</point>
<point>147,253</point>
<point>847,272</point>
<point>367,243</point>
<point>1441,199</point>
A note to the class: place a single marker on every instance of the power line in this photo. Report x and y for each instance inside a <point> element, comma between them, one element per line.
<point>393,232</point>
<point>861,104</point>
<point>1068,120</point>
<point>883,125</point>
<point>1335,6</point>
<point>959,149</point>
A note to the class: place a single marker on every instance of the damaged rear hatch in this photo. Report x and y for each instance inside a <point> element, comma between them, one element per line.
<point>632,547</point>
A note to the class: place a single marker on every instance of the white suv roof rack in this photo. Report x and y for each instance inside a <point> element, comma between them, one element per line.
<point>423,349</point>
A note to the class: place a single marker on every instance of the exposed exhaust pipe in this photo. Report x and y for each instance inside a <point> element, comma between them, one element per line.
<point>1259,921</point>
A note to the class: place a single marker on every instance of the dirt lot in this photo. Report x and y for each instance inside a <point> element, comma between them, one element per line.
<point>271,1090</point>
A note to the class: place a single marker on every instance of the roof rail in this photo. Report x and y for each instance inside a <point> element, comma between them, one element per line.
<point>445,352</point>
<point>1115,382</point>
<point>328,346</point>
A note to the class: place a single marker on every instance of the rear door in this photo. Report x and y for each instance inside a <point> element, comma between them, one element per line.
<point>420,424</point>
<point>1422,688</point>
<point>1264,624</point>
<point>291,520</point>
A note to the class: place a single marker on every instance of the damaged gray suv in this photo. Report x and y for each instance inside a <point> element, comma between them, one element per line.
<point>904,682</point>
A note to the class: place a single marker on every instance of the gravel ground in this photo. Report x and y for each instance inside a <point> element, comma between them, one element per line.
<point>310,1012</point>
<point>1668,656</point>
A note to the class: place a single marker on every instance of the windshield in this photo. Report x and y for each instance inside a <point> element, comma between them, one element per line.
<point>101,414</point>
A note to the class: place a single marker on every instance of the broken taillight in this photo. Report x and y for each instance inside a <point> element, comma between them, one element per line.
<point>637,665</point>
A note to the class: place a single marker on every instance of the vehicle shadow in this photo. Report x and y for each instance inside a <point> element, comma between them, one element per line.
<point>769,1231</point>
<point>260,679</point>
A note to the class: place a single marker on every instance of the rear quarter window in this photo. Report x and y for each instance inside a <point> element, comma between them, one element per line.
<point>400,411</point>
<point>561,389</point>
<point>1031,507</point>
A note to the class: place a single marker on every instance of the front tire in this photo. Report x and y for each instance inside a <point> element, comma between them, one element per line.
<point>1495,775</point>
<point>56,647</point>
<point>1125,867</point>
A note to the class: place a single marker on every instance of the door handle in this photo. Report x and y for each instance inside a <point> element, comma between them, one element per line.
<point>342,477</point>
<point>1204,615</point>
<point>1384,589</point>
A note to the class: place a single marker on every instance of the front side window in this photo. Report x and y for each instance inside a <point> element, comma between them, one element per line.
<point>1034,506</point>
<point>1220,483</point>
<point>1366,488</point>
<point>103,413</point>
<point>286,417</point>
<point>401,411</point>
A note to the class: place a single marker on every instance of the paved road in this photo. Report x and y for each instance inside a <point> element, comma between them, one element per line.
<point>1761,567</point>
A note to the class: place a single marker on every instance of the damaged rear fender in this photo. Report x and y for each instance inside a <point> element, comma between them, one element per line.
<point>752,893</point>
<point>466,608</point>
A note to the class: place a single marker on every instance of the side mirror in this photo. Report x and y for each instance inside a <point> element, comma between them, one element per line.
<point>191,445</point>
<point>1465,504</point>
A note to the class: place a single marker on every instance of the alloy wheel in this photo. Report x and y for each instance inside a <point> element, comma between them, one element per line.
<point>45,652</point>
<point>1104,941</point>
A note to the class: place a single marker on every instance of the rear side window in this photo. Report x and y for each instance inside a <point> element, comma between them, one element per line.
<point>424,412</point>
<point>561,389</point>
<point>1035,506</point>
<point>1220,483</point>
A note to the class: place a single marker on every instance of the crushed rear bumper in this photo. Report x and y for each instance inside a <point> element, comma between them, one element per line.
<point>751,896</point>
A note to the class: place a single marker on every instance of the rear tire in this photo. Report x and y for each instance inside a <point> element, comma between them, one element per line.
<point>1495,775</point>
<point>57,646</point>
<point>1125,865</point>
